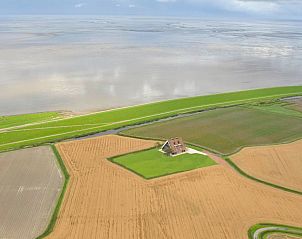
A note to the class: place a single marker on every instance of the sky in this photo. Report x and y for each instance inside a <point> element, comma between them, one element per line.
<point>272,9</point>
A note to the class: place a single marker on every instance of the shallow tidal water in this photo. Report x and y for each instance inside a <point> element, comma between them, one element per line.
<point>92,63</point>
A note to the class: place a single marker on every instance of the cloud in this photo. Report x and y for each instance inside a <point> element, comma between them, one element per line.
<point>244,6</point>
<point>255,6</point>
<point>79,5</point>
<point>275,9</point>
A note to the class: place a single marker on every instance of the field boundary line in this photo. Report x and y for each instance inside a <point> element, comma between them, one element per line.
<point>243,173</point>
<point>55,213</point>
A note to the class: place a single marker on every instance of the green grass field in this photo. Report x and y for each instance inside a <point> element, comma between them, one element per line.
<point>226,130</point>
<point>152,163</point>
<point>92,123</point>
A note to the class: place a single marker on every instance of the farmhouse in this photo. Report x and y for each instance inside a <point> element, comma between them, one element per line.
<point>174,146</point>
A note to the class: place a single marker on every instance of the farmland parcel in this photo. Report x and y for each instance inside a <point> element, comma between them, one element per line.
<point>104,200</point>
<point>278,164</point>
<point>226,130</point>
<point>53,130</point>
<point>29,187</point>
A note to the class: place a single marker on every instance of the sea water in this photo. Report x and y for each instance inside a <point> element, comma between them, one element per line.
<point>87,63</point>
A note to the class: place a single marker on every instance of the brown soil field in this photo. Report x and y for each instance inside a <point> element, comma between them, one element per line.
<point>278,164</point>
<point>104,200</point>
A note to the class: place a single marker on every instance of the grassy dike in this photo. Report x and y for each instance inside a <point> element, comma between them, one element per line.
<point>17,120</point>
<point>284,230</point>
<point>60,129</point>
<point>54,216</point>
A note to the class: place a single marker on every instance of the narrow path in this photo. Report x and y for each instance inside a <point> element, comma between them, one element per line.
<point>49,127</point>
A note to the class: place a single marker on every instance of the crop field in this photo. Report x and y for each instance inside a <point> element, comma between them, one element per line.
<point>278,164</point>
<point>226,130</point>
<point>58,129</point>
<point>152,163</point>
<point>104,200</point>
<point>30,184</point>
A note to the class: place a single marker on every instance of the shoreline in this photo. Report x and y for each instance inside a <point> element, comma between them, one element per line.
<point>71,113</point>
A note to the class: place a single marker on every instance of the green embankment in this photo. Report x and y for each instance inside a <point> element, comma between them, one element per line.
<point>152,164</point>
<point>17,120</point>
<point>266,229</point>
<point>227,130</point>
<point>92,123</point>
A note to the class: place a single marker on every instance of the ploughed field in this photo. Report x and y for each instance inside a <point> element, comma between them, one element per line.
<point>30,185</point>
<point>104,200</point>
<point>227,130</point>
<point>278,164</point>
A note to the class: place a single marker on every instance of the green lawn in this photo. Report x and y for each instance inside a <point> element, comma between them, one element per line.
<point>152,163</point>
<point>106,120</point>
<point>226,130</point>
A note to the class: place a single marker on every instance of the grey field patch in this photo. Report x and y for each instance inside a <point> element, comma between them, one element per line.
<point>30,184</point>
